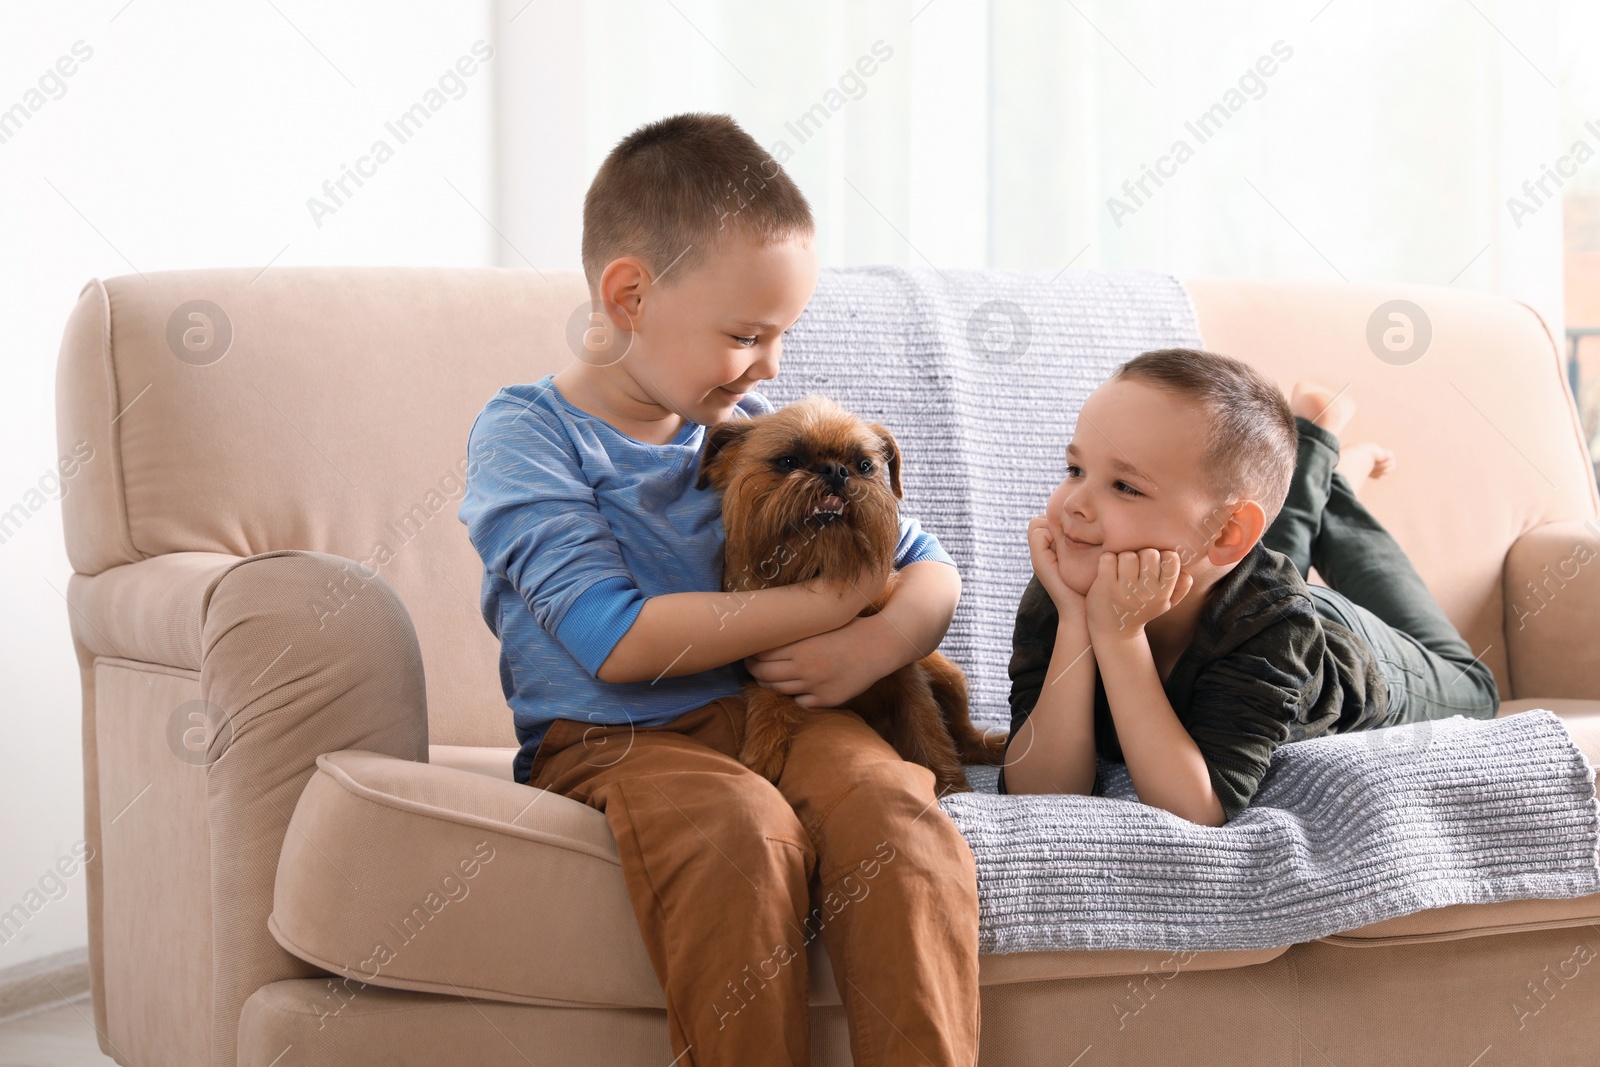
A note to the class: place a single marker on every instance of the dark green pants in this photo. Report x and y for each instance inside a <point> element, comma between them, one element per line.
<point>1373,590</point>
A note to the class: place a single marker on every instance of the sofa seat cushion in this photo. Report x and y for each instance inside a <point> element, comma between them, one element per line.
<point>495,762</point>
<point>434,878</point>
<point>1474,920</point>
<point>1582,718</point>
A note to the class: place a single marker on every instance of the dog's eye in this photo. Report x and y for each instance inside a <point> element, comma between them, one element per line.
<point>787,463</point>
<point>865,466</point>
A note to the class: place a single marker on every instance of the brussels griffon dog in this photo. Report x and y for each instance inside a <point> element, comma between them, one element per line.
<point>811,491</point>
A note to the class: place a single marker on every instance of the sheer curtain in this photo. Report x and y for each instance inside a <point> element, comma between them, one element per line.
<point>1332,139</point>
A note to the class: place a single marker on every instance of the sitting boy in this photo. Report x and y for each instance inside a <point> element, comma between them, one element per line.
<point>623,663</point>
<point>1169,624</point>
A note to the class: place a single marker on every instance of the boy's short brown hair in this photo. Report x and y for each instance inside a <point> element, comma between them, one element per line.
<point>670,190</point>
<point>1253,435</point>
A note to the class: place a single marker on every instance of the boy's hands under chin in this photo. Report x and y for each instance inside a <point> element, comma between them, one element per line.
<point>1045,552</point>
<point>1132,588</point>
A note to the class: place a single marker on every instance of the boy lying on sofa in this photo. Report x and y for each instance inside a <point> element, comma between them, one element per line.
<point>1192,661</point>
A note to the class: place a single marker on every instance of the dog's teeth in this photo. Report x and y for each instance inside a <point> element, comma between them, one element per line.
<point>831,505</point>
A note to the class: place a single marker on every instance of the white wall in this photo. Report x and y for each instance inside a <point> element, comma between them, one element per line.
<point>1382,149</point>
<point>192,136</point>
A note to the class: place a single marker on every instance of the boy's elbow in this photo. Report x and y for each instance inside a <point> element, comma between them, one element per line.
<point>623,663</point>
<point>934,573</point>
<point>1211,813</point>
<point>949,577</point>
<point>1021,781</point>
<point>615,673</point>
<point>1027,788</point>
<point>617,666</point>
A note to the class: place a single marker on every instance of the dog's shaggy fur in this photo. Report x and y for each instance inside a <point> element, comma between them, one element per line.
<point>812,491</point>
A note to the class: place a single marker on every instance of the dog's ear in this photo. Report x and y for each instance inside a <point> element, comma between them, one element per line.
<point>891,456</point>
<point>722,440</point>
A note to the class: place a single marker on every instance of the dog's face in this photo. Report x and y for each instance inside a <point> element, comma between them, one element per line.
<point>808,490</point>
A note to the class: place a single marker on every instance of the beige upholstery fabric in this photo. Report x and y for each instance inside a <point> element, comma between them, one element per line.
<point>495,762</point>
<point>290,691</point>
<point>1517,999</point>
<point>156,911</point>
<point>1552,623</point>
<point>216,534</point>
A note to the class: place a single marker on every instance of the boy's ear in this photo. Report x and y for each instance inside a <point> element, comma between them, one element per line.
<point>716,454</point>
<point>891,456</point>
<point>621,290</point>
<point>1238,533</point>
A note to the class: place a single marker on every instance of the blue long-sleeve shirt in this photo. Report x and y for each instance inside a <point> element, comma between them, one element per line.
<point>577,524</point>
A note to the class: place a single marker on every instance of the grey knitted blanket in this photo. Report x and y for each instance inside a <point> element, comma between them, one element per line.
<point>1346,829</point>
<point>980,375</point>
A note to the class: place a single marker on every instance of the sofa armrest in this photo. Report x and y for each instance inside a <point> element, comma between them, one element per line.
<point>297,654</point>
<point>1552,611</point>
<point>150,611</point>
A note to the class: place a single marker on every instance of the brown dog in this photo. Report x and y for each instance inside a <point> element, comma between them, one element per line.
<point>804,495</point>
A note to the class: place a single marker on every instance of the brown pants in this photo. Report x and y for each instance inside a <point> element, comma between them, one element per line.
<point>731,877</point>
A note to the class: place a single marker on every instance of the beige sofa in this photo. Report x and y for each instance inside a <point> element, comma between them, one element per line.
<point>238,471</point>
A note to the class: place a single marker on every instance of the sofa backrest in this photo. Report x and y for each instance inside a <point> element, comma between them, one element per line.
<point>327,408</point>
<point>1487,440</point>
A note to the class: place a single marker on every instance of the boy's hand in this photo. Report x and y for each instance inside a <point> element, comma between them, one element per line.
<point>1044,550</point>
<point>1131,588</point>
<point>855,591</point>
<point>824,671</point>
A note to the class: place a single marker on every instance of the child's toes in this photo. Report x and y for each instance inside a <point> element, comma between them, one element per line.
<point>1366,459</point>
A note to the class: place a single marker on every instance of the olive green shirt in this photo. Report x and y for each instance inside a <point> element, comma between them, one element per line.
<point>1262,669</point>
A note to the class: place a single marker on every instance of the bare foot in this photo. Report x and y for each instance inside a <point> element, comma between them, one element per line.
<point>1359,462</point>
<point>1325,407</point>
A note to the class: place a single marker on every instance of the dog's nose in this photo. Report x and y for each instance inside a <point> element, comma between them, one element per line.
<point>835,474</point>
